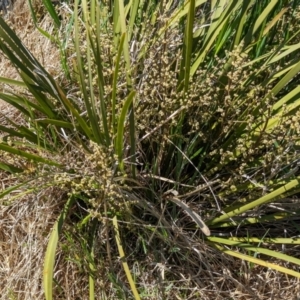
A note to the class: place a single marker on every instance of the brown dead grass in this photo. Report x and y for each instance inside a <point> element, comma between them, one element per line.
<point>25,226</point>
<point>41,47</point>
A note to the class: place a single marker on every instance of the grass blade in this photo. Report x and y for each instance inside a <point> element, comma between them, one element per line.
<point>260,20</point>
<point>248,247</point>
<point>196,218</point>
<point>51,250</point>
<point>133,13</point>
<point>12,81</point>
<point>121,124</point>
<point>281,241</point>
<point>115,81</point>
<point>10,168</point>
<point>51,10</point>
<point>187,48</point>
<point>257,261</point>
<point>122,257</point>
<point>27,155</point>
<point>279,193</point>
<point>213,33</point>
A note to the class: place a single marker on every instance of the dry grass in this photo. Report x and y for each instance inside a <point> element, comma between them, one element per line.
<point>24,229</point>
<point>25,226</point>
<point>42,48</point>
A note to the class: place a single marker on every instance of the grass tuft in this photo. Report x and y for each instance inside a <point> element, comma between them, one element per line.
<point>161,137</point>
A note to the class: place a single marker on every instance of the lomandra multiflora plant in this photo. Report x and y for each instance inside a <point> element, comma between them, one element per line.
<point>178,135</point>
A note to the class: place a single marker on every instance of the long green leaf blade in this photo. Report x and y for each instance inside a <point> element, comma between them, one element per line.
<point>27,155</point>
<point>258,261</point>
<point>121,124</point>
<point>51,250</point>
<point>124,263</point>
<point>265,199</point>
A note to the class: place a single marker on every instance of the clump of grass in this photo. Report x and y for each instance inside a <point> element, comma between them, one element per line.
<point>174,120</point>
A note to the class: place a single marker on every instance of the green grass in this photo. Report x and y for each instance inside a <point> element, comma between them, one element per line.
<point>182,116</point>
